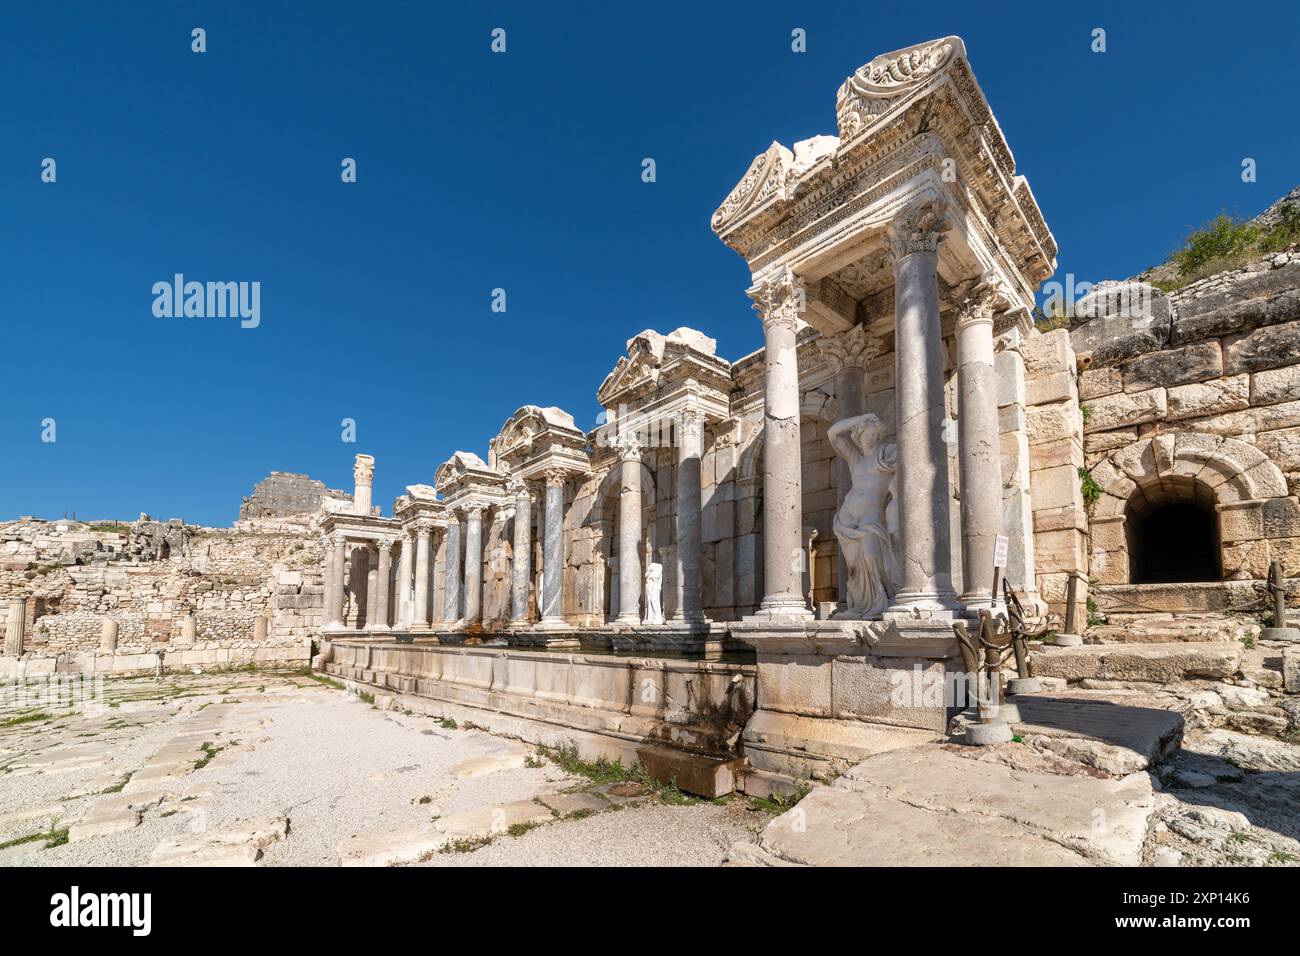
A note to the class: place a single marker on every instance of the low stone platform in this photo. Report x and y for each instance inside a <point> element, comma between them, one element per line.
<point>1114,732</point>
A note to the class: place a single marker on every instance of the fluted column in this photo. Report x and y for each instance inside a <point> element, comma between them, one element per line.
<point>980,475</point>
<point>690,448</point>
<point>847,353</point>
<point>779,300</point>
<point>383,580</point>
<point>553,551</point>
<point>335,583</point>
<point>405,599</point>
<point>520,569</point>
<point>629,531</point>
<point>473,564</point>
<point>15,627</point>
<point>925,556</point>
<point>451,572</point>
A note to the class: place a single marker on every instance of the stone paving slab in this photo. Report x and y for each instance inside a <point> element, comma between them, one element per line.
<point>1116,732</point>
<point>930,805</point>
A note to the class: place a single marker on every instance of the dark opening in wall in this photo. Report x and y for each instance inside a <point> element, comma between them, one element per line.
<point>1175,542</point>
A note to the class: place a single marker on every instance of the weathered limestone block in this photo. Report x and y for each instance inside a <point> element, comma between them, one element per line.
<point>1009,370</point>
<point>1048,353</point>
<point>1209,398</point>
<point>1056,487</point>
<point>1060,550</point>
<point>1286,550</point>
<point>1261,299</point>
<point>1128,408</point>
<point>1281,518</point>
<point>1268,347</point>
<point>1241,521</point>
<point>1113,336</point>
<point>1251,421</point>
<point>1159,663</point>
<point>1098,382</point>
<point>1271,386</point>
<point>1056,387</point>
<point>1192,363</point>
<point>1245,560</point>
<point>1108,535</point>
<point>1291,670</point>
<point>1282,447</point>
<point>1052,422</point>
<point>1050,454</point>
<point>1101,442</point>
<point>1108,567</point>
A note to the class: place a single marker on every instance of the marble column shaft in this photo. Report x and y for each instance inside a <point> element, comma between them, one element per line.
<point>779,300</point>
<point>980,473</point>
<point>629,532</point>
<point>553,551</point>
<point>338,568</point>
<point>383,582</point>
<point>420,613</point>
<point>405,568</point>
<point>451,573</point>
<point>925,557</point>
<point>520,570</point>
<point>690,449</point>
<point>473,564</point>
<point>15,627</point>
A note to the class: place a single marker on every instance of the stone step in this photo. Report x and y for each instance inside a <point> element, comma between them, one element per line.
<point>695,773</point>
<point>1164,663</point>
<point>1171,628</point>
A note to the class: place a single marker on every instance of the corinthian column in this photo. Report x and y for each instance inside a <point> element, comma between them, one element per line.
<point>520,569</point>
<point>690,448</point>
<point>363,473</point>
<point>405,568</point>
<point>925,556</point>
<point>846,353</point>
<point>553,551</point>
<point>473,564</point>
<point>981,459</point>
<point>779,300</point>
<point>451,573</point>
<point>335,569</point>
<point>383,581</point>
<point>420,612</point>
<point>629,531</point>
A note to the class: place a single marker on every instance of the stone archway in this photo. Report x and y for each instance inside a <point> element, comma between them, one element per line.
<point>1188,470</point>
<point>602,519</point>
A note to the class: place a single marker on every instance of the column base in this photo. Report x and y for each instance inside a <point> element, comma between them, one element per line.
<point>936,605</point>
<point>333,627</point>
<point>782,607</point>
<point>552,624</point>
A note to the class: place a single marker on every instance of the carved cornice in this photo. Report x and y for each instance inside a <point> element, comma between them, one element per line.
<point>873,89</point>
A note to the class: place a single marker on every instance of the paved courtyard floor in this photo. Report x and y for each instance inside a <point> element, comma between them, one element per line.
<point>278,769</point>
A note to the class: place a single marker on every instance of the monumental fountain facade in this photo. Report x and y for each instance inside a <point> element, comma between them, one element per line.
<point>826,506</point>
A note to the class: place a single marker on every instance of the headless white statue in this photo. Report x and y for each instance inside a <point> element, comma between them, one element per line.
<point>863,523</point>
<point>654,581</point>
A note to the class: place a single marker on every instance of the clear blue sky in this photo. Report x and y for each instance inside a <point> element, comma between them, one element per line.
<point>478,171</point>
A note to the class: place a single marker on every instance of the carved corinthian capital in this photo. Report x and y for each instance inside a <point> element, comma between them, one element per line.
<point>780,299</point>
<point>555,477</point>
<point>917,228</point>
<point>629,446</point>
<point>979,299</point>
<point>363,469</point>
<point>852,348</point>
